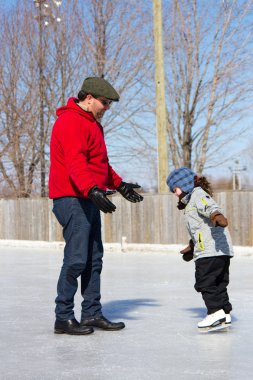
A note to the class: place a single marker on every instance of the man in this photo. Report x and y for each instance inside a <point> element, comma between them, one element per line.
<point>80,175</point>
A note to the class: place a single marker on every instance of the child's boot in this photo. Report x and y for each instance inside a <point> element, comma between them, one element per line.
<point>212,320</point>
<point>228,319</point>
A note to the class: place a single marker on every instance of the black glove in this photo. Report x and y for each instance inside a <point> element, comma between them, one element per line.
<point>188,251</point>
<point>181,205</point>
<point>99,198</point>
<point>126,190</point>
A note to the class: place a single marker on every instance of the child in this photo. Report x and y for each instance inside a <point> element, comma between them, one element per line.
<point>210,243</point>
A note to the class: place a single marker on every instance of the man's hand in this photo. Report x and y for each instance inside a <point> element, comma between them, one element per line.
<point>188,251</point>
<point>126,190</point>
<point>218,219</point>
<point>99,198</point>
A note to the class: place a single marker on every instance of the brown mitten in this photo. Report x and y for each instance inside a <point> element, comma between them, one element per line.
<point>188,251</point>
<point>218,219</point>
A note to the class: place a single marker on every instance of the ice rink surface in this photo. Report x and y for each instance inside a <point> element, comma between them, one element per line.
<point>151,292</point>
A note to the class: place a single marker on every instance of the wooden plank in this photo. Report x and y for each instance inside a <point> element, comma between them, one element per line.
<point>155,220</point>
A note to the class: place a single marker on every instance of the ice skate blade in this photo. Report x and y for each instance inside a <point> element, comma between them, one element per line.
<point>222,326</point>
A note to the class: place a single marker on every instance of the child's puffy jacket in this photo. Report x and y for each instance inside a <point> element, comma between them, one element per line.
<point>208,240</point>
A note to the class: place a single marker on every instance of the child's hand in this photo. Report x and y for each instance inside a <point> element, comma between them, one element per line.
<point>218,219</point>
<point>188,251</point>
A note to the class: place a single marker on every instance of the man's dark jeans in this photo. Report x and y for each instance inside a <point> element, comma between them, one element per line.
<point>83,253</point>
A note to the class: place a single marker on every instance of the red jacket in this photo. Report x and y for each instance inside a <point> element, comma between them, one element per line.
<point>78,154</point>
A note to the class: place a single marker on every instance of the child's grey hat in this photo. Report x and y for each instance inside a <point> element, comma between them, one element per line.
<point>182,178</point>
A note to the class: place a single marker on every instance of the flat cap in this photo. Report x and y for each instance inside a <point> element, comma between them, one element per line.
<point>97,86</point>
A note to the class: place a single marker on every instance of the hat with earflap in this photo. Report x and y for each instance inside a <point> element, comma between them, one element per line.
<point>182,178</point>
<point>98,86</point>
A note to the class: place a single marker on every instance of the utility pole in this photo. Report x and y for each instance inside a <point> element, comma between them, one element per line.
<point>236,170</point>
<point>161,116</point>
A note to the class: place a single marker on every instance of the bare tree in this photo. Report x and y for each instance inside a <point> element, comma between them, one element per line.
<point>54,55</point>
<point>17,135</point>
<point>47,64</point>
<point>26,110</point>
<point>118,42</point>
<point>208,55</point>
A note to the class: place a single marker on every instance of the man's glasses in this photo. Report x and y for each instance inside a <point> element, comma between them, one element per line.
<point>105,102</point>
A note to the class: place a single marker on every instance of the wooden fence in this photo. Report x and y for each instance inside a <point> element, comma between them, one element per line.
<point>156,220</point>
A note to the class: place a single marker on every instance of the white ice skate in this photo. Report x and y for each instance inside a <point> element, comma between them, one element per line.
<point>213,322</point>
<point>228,320</point>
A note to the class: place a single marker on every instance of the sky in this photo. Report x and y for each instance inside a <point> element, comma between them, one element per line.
<point>7,4</point>
<point>225,169</point>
